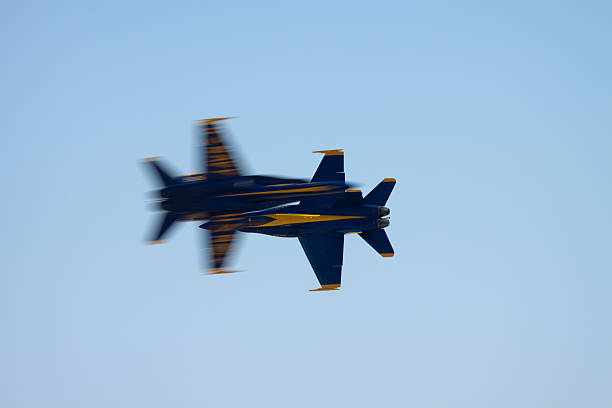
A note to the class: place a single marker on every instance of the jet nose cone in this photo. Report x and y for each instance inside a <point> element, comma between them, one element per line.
<point>383,211</point>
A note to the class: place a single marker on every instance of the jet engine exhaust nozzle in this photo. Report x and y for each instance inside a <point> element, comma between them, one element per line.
<point>382,211</point>
<point>383,223</point>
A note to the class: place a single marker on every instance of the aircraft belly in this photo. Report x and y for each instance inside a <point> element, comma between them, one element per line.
<point>275,231</point>
<point>306,224</point>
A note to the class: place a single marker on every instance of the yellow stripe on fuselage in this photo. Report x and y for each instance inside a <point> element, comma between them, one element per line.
<point>295,190</point>
<point>289,219</point>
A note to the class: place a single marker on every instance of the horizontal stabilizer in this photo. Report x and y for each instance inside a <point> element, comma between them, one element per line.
<point>379,241</point>
<point>164,226</point>
<point>159,170</point>
<point>380,194</point>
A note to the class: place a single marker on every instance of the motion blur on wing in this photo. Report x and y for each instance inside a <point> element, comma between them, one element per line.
<point>220,193</point>
<point>320,223</point>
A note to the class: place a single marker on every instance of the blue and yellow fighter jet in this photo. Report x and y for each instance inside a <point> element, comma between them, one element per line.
<point>220,191</point>
<point>321,222</point>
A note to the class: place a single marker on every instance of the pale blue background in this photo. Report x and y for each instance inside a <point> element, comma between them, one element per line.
<point>495,120</point>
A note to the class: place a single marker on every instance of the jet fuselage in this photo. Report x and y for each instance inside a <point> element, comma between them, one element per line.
<point>294,221</point>
<point>194,196</point>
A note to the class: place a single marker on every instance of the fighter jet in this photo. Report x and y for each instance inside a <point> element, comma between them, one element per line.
<point>221,191</point>
<point>320,223</point>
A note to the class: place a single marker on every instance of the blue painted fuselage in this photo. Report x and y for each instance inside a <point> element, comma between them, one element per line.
<point>195,197</point>
<point>295,221</point>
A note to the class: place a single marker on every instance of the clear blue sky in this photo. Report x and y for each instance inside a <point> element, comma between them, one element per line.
<point>495,120</point>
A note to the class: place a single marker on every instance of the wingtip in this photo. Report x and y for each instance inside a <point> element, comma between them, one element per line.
<point>332,152</point>
<point>150,159</point>
<point>210,121</point>
<point>326,287</point>
<point>389,180</point>
<point>155,242</point>
<point>387,255</point>
<point>220,271</point>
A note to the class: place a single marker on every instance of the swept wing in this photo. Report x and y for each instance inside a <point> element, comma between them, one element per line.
<point>325,252</point>
<point>220,163</point>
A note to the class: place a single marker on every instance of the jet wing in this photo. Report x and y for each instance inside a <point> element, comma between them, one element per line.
<point>220,163</point>
<point>331,168</point>
<point>220,243</point>
<point>325,252</point>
